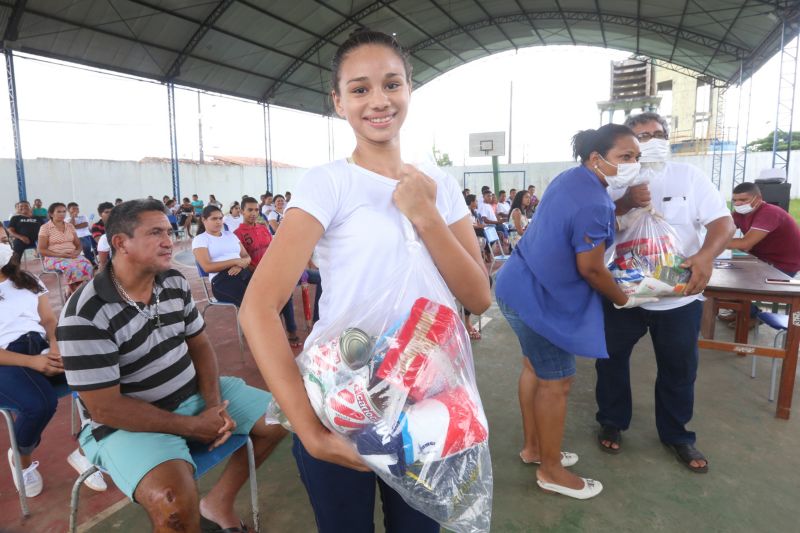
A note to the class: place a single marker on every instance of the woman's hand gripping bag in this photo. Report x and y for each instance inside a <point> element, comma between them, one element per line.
<point>395,376</point>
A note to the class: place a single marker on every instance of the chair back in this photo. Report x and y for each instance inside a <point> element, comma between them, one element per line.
<point>491,235</point>
<point>203,278</point>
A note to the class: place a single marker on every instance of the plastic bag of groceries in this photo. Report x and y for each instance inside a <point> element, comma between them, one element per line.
<point>647,260</point>
<point>395,376</point>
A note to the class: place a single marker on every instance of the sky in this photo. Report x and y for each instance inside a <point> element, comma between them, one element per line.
<point>71,112</point>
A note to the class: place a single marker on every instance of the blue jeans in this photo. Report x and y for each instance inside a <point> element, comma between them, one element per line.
<point>88,244</point>
<point>343,499</point>
<point>29,393</point>
<point>231,289</point>
<point>674,333</point>
<point>549,362</point>
<point>315,279</point>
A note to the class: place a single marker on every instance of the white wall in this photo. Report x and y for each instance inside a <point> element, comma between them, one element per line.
<point>90,182</point>
<point>540,174</point>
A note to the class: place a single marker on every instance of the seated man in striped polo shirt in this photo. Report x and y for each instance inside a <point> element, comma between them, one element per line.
<point>134,347</point>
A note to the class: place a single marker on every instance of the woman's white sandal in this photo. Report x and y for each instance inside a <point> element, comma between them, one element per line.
<point>591,488</point>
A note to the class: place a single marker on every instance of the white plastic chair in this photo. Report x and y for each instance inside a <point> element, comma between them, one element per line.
<point>780,323</point>
<point>53,272</point>
<point>493,238</point>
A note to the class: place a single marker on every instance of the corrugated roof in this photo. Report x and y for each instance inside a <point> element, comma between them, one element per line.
<point>279,51</point>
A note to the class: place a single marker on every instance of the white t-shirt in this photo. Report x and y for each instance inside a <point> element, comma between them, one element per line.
<point>485,210</point>
<point>19,313</point>
<point>274,215</point>
<point>688,200</point>
<point>503,208</point>
<point>222,248</point>
<point>232,222</point>
<point>363,243</point>
<point>81,232</point>
<point>267,209</point>
<point>102,244</point>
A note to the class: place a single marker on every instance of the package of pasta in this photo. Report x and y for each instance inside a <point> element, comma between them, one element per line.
<point>647,259</point>
<point>395,376</point>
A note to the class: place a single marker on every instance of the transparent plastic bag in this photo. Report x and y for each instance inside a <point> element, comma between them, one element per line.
<point>395,376</point>
<point>648,261</point>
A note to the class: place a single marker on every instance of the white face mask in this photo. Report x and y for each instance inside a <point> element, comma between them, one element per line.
<point>626,174</point>
<point>743,209</point>
<point>5,254</point>
<point>654,151</point>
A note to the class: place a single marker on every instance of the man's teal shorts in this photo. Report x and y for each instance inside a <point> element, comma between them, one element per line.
<point>128,456</point>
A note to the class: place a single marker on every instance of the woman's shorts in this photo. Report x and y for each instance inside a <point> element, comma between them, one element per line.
<point>550,362</point>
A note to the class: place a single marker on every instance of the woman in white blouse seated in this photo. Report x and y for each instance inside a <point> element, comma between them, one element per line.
<point>275,216</point>
<point>223,257</point>
<point>30,369</point>
<point>517,216</point>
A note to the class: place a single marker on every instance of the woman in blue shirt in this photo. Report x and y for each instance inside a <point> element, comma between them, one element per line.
<point>550,293</point>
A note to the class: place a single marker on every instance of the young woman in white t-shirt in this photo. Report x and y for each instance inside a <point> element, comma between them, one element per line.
<point>234,217</point>
<point>352,212</point>
<point>223,257</point>
<point>30,369</point>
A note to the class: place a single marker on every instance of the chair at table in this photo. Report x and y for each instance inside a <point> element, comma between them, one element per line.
<point>779,323</point>
<point>53,272</point>
<point>7,411</point>
<point>213,301</point>
<point>205,461</point>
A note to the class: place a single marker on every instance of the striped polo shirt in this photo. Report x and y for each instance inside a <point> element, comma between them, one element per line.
<point>104,342</point>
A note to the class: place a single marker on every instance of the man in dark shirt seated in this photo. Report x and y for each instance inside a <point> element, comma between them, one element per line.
<point>99,227</point>
<point>24,227</point>
<point>769,233</point>
<point>134,348</point>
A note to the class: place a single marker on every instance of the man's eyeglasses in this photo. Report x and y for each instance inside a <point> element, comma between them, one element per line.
<point>646,135</point>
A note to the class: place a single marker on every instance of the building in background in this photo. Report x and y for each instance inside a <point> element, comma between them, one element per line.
<point>687,102</point>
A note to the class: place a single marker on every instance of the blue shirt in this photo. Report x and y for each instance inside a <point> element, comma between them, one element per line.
<point>541,281</point>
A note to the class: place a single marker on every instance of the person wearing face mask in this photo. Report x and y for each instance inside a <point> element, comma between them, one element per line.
<point>550,293</point>
<point>770,233</point>
<point>688,201</point>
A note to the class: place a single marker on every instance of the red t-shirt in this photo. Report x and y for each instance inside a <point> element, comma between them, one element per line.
<point>255,240</point>
<point>781,247</point>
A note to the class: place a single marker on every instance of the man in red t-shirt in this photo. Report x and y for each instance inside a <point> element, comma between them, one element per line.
<point>255,237</point>
<point>770,233</point>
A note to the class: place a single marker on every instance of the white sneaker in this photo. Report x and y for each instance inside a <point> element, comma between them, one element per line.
<point>591,488</point>
<point>81,464</point>
<point>31,477</point>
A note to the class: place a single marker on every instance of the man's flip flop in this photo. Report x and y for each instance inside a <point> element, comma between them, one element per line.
<point>612,435</point>
<point>686,453</point>
<point>208,526</point>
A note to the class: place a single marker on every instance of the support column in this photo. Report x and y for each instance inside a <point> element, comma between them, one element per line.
<point>719,137</point>
<point>173,141</point>
<point>268,145</point>
<point>743,120</point>
<point>12,97</point>
<point>785,110</point>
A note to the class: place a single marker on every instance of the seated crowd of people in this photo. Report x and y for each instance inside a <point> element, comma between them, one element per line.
<point>109,370</point>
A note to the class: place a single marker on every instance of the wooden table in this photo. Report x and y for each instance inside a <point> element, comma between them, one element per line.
<point>742,284</point>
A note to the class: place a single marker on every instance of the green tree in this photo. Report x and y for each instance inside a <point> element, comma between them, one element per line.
<point>765,144</point>
<point>442,159</point>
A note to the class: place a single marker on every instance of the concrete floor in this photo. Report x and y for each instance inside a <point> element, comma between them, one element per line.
<point>752,484</point>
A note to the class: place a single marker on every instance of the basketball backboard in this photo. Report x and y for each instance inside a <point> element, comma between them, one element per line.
<point>487,144</point>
